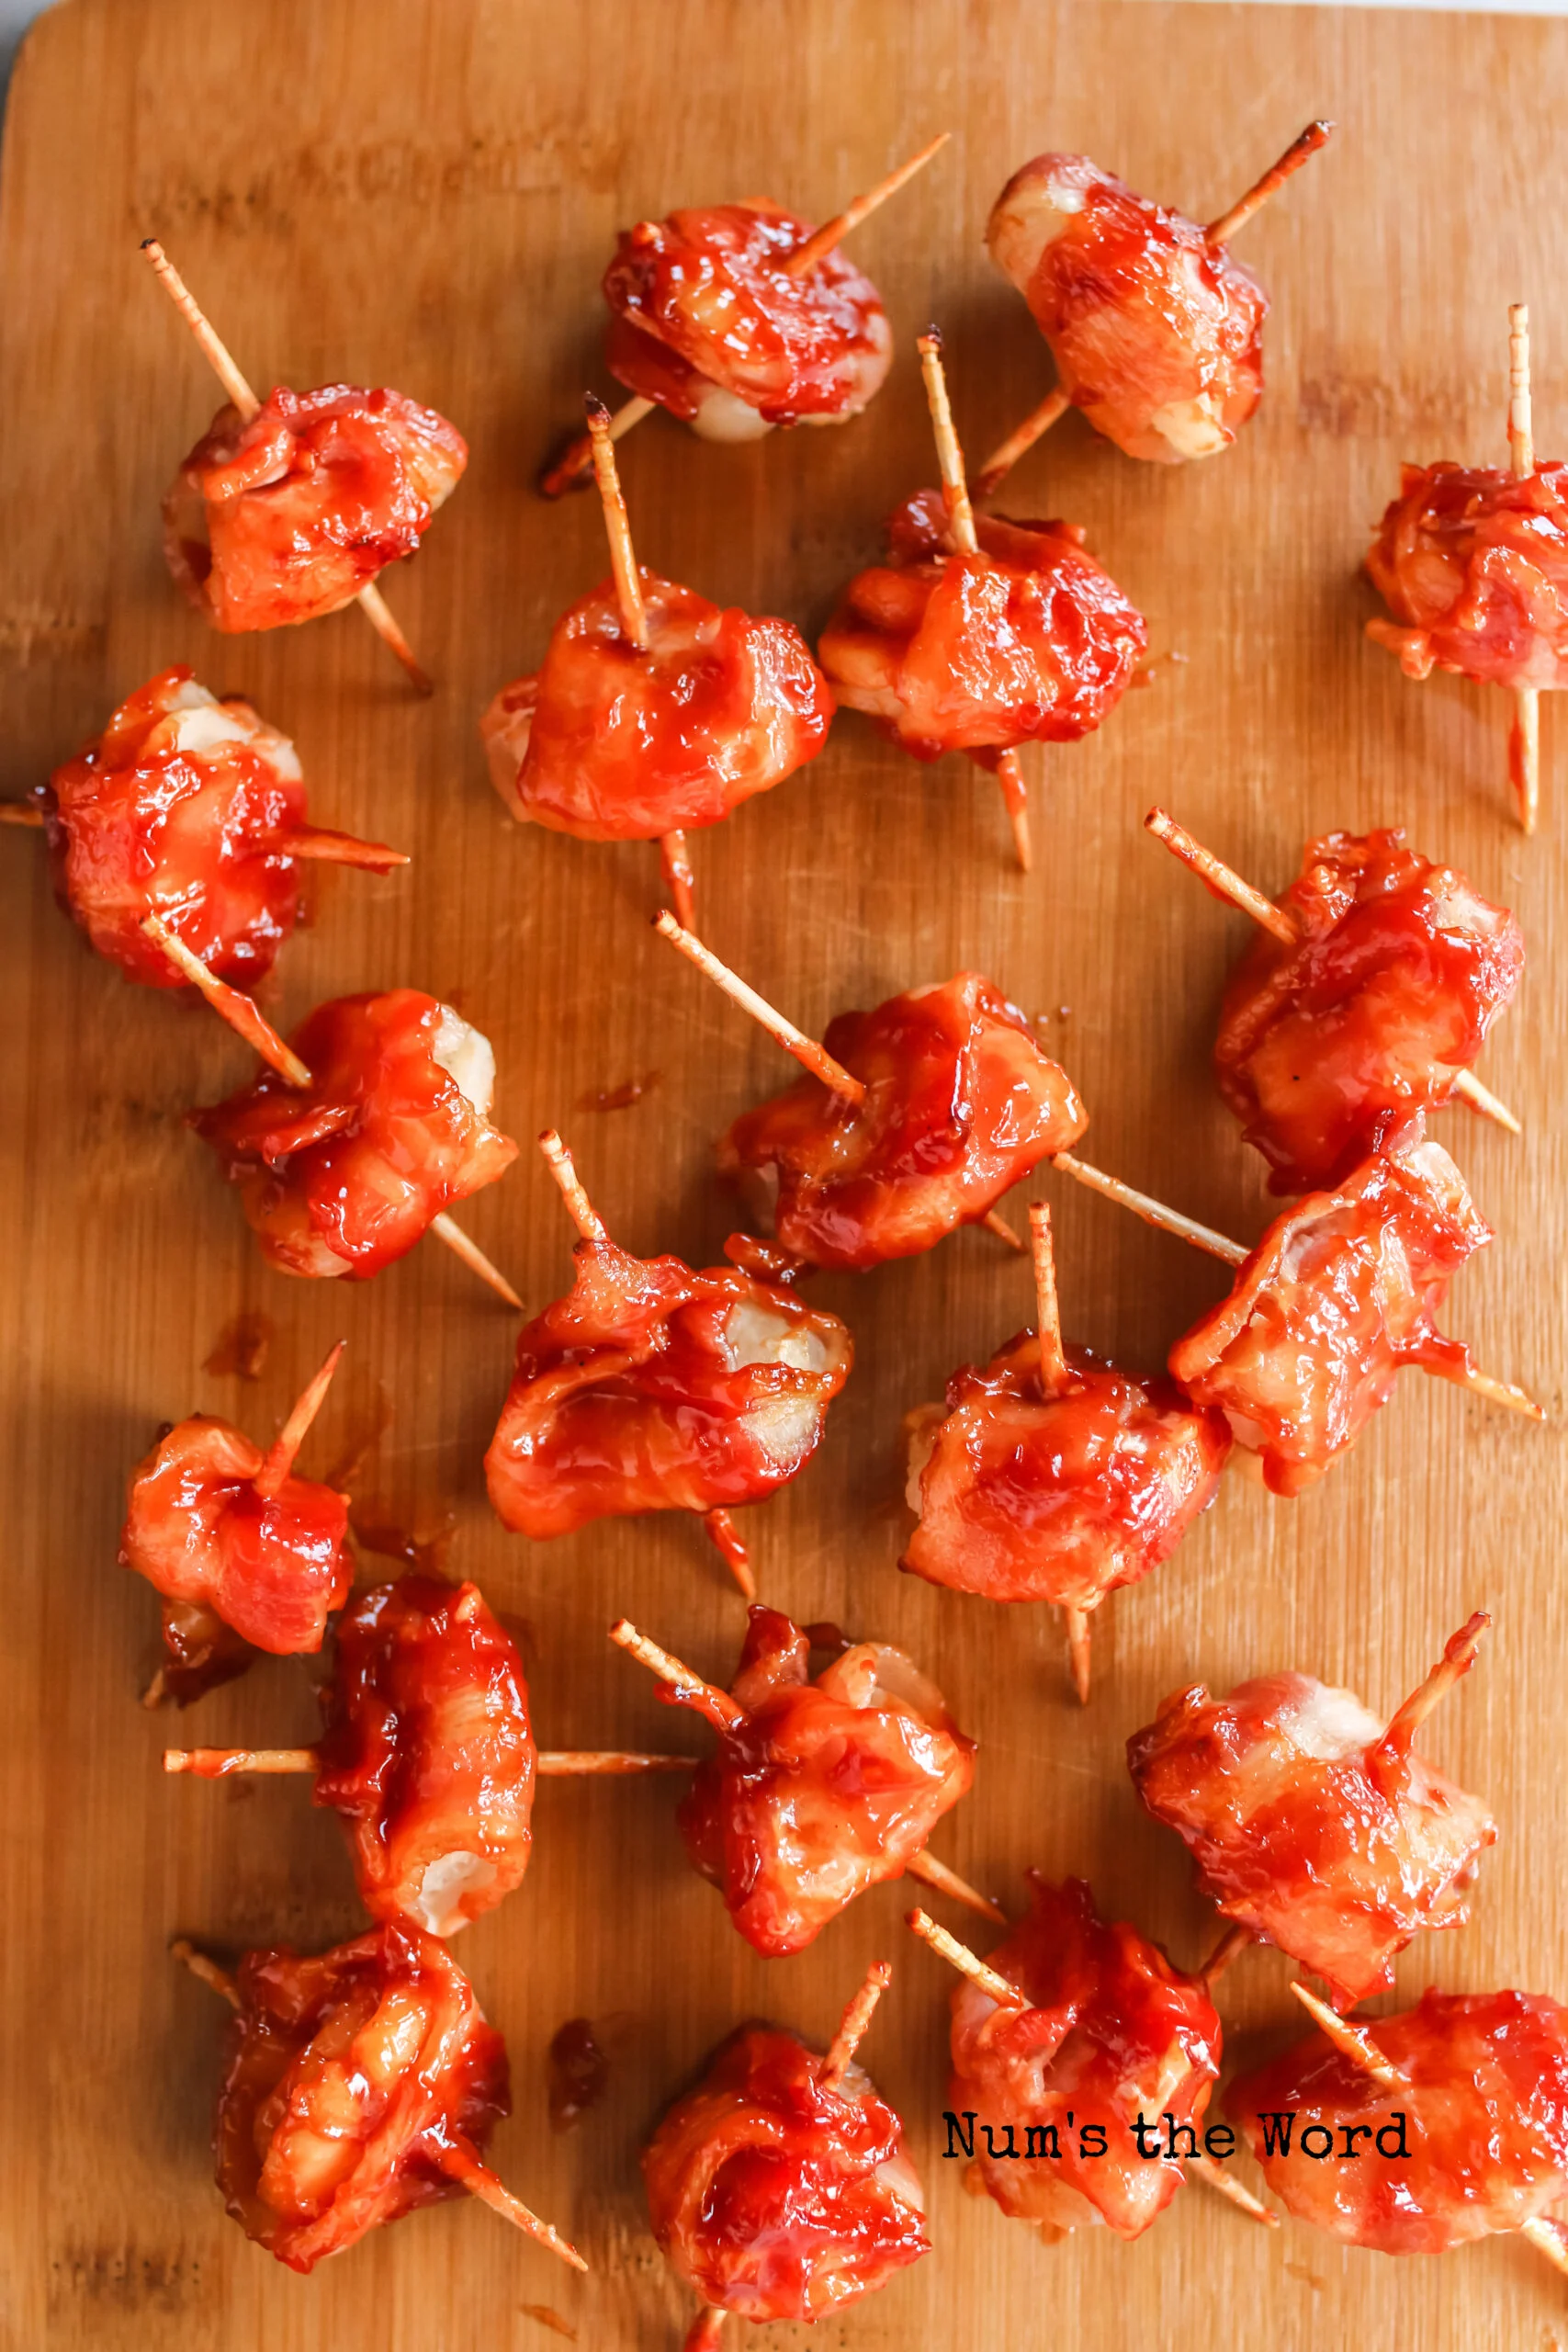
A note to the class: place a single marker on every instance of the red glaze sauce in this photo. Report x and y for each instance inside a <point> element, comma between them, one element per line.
<point>1029,640</point>
<point>269,1568</point>
<point>1157,333</point>
<point>1341,1294</point>
<point>1485,2102</point>
<point>348,2076</point>
<point>1114,2031</point>
<point>703,301</point>
<point>289,516</point>
<point>177,812</point>
<point>579,2072</point>
<point>428,1755</point>
<point>1401,970</point>
<point>776,2196</point>
<point>610,744</point>
<point>828,1787</point>
<point>1306,1827</point>
<point>960,1102</point>
<point>344,1176</point>
<point>650,1387</point>
<point>1025,1498</point>
<point>1474,566</point>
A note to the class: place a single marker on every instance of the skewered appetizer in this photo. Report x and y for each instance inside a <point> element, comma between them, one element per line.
<point>1077,2042</point>
<point>1049,1476</point>
<point>1313,1825</point>
<point>1456,2112</point>
<point>428,1755</point>
<point>821,1787</point>
<point>245,1556</point>
<point>652,1387</point>
<point>1370,989</point>
<point>654,711</point>
<point>780,2188</point>
<point>1472,563</point>
<point>739,317</point>
<point>193,809</point>
<point>980,633</point>
<point>1155,331</point>
<point>288,508</point>
<point>359,2086</point>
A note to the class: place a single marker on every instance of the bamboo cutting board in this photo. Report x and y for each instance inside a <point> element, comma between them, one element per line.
<point>423,193</point>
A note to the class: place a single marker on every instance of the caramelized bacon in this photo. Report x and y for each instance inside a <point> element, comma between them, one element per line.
<point>1484,2092</point>
<point>826,1787</point>
<point>289,515</point>
<point>709,323</point>
<point>610,741</point>
<point>351,2080</point>
<point>776,2195</point>
<point>1113,2033</point>
<point>960,1102</point>
<point>1312,1823</point>
<point>1472,563</point>
<point>650,1387</point>
<point>342,1178</point>
<point>428,1753</point>
<point>269,1568</point>
<point>1022,1497</point>
<point>1339,1294</point>
<point>1156,333</point>
<point>1401,969</point>
<point>1026,640</point>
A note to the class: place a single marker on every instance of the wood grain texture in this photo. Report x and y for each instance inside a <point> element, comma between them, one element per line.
<point>422,192</point>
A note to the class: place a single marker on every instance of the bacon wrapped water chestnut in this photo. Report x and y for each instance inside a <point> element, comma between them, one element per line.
<point>1155,331</point>
<point>245,1556</point>
<point>1313,1825</point>
<point>821,1787</point>
<point>780,2188</point>
<point>192,809</point>
<point>1073,2032</point>
<point>1455,2113</point>
<point>359,2086</point>
<point>341,1174</point>
<point>652,1387</point>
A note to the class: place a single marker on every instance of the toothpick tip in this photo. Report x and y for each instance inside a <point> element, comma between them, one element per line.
<point>595,408</point>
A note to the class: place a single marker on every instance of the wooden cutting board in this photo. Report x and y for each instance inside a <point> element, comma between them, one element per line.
<point>424,192</point>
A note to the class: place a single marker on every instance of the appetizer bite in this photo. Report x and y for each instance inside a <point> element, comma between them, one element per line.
<point>780,2188</point>
<point>1156,333</point>
<point>288,508</point>
<point>652,1387</point>
<point>978,635</point>
<point>821,1787</point>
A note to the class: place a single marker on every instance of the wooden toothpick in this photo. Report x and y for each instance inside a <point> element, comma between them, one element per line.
<point>1153,1212</point>
<point>279,1460</point>
<point>578,1207</point>
<point>1451,1667</point>
<point>1524,734</point>
<point>997,1987</point>
<point>806,1050</point>
<point>853,2026</point>
<point>686,1689</point>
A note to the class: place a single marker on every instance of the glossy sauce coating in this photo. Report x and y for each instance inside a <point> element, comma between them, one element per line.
<point>775,2196</point>
<point>1474,567</point>
<point>347,2077</point>
<point>650,1387</point>
<point>1485,2102</point>
<point>1028,641</point>
<point>176,810</point>
<point>270,1567</point>
<point>288,516</point>
<point>1157,333</point>
<point>1338,1296</point>
<point>708,321</point>
<point>1308,1826</point>
<point>1114,2031</point>
<point>828,1787</point>
<point>960,1102</point>
<point>428,1753</point>
<point>608,742</point>
<point>1060,1498</point>
<point>344,1177</point>
<point>1325,1048</point>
